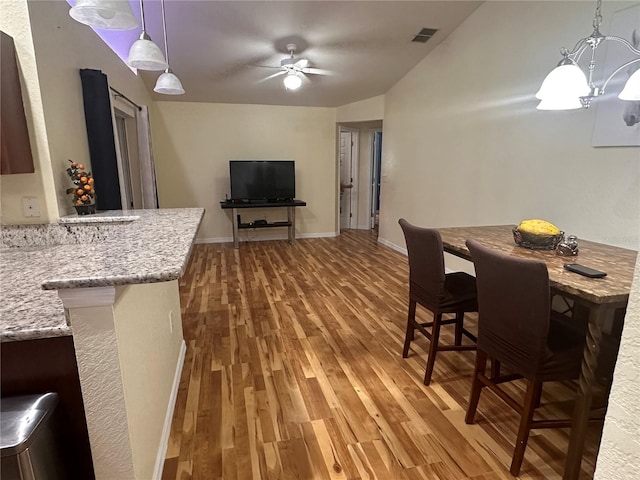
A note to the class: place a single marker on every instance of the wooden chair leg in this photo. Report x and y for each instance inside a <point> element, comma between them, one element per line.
<point>411,316</point>
<point>476,386</point>
<point>533,394</point>
<point>433,348</point>
<point>459,325</point>
<point>495,368</point>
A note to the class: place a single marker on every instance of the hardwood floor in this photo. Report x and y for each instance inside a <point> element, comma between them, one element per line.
<point>294,371</point>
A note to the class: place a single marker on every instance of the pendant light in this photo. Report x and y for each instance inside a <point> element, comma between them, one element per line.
<point>568,87</point>
<point>168,83</point>
<point>144,54</point>
<point>109,14</point>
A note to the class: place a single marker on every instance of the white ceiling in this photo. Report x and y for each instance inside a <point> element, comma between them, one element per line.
<point>215,47</point>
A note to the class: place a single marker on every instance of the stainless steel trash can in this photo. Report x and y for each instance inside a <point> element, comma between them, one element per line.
<point>29,449</point>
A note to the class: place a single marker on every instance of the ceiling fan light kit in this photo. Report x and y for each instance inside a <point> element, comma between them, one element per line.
<point>144,54</point>
<point>108,14</point>
<point>567,87</point>
<point>292,81</point>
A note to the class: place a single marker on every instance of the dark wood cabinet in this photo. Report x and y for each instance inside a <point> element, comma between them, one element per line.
<point>15,152</point>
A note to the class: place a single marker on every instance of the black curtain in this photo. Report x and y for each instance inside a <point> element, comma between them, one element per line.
<point>102,147</point>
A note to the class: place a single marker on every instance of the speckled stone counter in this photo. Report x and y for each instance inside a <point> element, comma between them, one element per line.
<point>110,249</point>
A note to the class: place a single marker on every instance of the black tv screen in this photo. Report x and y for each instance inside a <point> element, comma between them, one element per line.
<point>262,179</point>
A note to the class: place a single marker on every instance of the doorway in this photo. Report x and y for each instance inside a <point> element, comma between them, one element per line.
<point>376,173</point>
<point>348,158</point>
<point>126,140</point>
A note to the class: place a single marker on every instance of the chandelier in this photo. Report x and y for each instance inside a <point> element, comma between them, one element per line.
<point>567,86</point>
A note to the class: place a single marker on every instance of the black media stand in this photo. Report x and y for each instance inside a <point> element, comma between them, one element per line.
<point>290,223</point>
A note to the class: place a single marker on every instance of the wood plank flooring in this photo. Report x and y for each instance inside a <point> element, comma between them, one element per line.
<point>294,371</point>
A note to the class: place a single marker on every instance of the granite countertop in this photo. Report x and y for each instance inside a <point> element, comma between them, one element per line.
<point>100,250</point>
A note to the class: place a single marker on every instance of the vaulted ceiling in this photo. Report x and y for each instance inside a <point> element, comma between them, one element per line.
<point>222,50</point>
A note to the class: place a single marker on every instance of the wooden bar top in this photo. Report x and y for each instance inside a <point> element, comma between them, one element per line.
<point>618,262</point>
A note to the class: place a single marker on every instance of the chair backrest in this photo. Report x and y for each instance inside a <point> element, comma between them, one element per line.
<point>426,262</point>
<point>513,308</point>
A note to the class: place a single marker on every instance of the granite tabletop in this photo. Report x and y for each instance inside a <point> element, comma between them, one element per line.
<point>619,263</point>
<point>153,247</point>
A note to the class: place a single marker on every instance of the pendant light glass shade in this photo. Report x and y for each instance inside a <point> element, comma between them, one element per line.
<point>292,81</point>
<point>109,14</point>
<point>631,90</point>
<point>146,55</point>
<point>564,81</point>
<point>560,103</point>
<point>169,84</point>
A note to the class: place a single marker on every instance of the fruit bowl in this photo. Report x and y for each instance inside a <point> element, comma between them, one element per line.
<point>537,241</point>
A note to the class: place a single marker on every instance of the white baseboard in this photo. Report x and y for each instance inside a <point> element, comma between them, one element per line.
<point>166,430</point>
<point>363,227</point>
<point>318,235</point>
<point>392,246</point>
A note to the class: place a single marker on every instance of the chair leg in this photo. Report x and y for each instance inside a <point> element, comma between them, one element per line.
<point>476,385</point>
<point>410,328</point>
<point>532,395</point>
<point>459,325</point>
<point>495,368</point>
<point>433,348</point>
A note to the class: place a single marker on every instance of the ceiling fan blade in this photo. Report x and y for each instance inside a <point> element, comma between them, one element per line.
<point>302,63</point>
<point>274,75</point>
<point>316,71</point>
<point>263,66</point>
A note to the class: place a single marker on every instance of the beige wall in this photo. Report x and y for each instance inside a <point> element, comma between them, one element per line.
<point>14,21</point>
<point>149,333</point>
<point>64,46</point>
<point>362,111</point>
<point>51,48</point>
<point>193,143</point>
<point>464,144</point>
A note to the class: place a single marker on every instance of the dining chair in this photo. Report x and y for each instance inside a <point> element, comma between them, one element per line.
<point>517,327</point>
<point>437,291</point>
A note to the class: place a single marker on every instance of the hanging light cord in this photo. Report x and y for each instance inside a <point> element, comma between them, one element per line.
<point>142,16</point>
<point>164,28</point>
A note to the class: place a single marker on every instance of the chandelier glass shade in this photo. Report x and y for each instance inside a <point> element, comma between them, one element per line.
<point>567,86</point>
<point>108,14</point>
<point>292,81</point>
<point>144,54</point>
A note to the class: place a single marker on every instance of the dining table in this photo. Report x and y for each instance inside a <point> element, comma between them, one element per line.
<point>601,296</point>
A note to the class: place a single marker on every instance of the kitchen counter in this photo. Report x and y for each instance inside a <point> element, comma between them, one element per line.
<point>110,249</point>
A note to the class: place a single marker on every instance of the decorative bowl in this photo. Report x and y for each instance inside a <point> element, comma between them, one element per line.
<point>536,241</point>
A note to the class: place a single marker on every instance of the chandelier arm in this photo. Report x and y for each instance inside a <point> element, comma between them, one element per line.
<point>625,42</point>
<point>617,70</point>
<point>577,52</point>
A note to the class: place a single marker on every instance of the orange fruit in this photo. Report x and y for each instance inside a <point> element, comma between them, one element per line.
<point>90,181</point>
<point>74,164</point>
<point>87,187</point>
<point>92,191</point>
<point>79,191</point>
<point>83,179</point>
<point>84,198</point>
<point>79,202</point>
<point>80,166</point>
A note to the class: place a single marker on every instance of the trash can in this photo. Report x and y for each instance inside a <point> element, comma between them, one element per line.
<point>28,444</point>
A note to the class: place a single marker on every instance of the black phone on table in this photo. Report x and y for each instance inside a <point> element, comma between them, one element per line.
<point>586,271</point>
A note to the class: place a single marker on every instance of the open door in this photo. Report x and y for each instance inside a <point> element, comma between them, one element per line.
<point>348,194</point>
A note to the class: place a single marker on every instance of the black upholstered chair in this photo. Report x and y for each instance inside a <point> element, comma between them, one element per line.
<point>517,328</point>
<point>440,293</point>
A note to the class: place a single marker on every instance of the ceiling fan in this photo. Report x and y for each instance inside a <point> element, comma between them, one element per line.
<point>294,69</point>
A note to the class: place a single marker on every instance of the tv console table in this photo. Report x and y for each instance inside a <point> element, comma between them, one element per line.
<point>290,223</point>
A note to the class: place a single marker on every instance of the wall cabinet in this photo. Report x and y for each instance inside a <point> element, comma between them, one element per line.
<point>15,152</point>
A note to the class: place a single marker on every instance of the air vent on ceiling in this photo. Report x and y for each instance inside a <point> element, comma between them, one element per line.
<point>424,35</point>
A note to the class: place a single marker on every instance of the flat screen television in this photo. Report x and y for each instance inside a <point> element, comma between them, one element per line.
<point>262,180</point>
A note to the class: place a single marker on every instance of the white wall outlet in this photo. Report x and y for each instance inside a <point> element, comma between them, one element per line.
<point>30,207</point>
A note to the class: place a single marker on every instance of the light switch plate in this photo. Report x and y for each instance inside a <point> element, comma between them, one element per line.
<point>30,207</point>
